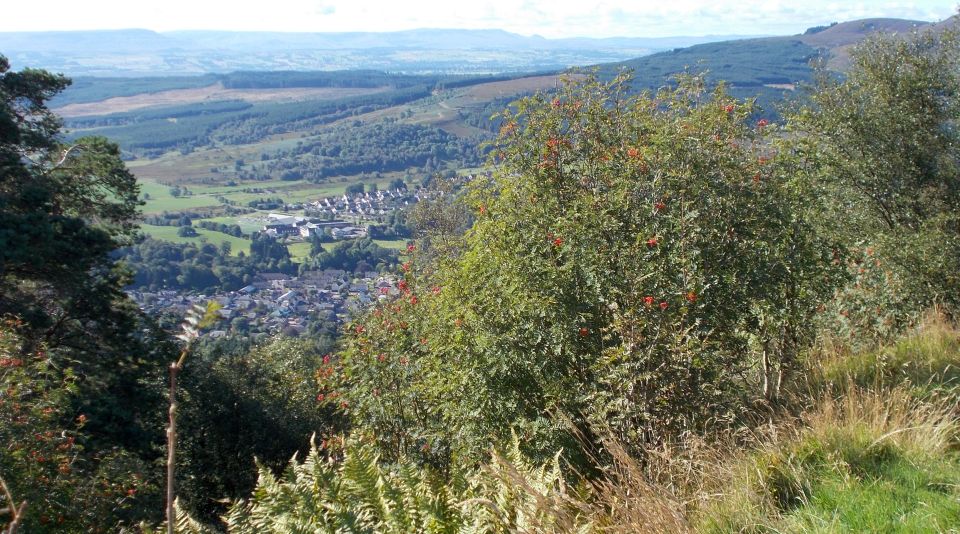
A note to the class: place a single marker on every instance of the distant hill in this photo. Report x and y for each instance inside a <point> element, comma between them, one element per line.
<point>838,39</point>
<point>425,51</point>
<point>762,67</point>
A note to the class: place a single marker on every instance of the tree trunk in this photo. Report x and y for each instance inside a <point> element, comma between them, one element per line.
<point>171,449</point>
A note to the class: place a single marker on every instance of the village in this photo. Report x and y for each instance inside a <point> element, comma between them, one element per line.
<point>278,303</point>
<point>342,217</point>
<point>316,301</point>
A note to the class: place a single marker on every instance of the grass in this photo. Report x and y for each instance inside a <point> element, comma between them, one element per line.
<point>396,244</point>
<point>169,233</point>
<point>205,196</point>
<point>870,461</point>
<point>877,449</point>
<point>925,361</point>
<point>299,252</point>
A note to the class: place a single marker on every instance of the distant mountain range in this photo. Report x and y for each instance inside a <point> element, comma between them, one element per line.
<point>144,52</point>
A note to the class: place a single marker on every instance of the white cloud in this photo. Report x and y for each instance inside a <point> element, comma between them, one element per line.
<point>550,18</point>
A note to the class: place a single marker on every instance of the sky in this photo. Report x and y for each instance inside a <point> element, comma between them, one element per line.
<point>548,18</point>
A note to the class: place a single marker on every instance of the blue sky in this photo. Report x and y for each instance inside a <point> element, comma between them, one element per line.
<point>549,18</point>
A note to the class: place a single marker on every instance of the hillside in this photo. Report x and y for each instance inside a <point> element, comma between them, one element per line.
<point>838,39</point>
<point>237,126</point>
<point>763,67</point>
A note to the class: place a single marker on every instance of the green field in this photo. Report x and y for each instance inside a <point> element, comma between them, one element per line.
<point>205,196</point>
<point>169,233</point>
<point>299,252</point>
<point>397,244</point>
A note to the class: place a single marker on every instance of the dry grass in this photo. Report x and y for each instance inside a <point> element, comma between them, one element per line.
<point>208,94</point>
<point>873,447</point>
<point>870,445</point>
<point>624,501</point>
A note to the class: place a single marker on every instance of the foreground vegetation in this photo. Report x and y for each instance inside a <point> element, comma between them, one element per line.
<point>850,459</point>
<point>658,314</point>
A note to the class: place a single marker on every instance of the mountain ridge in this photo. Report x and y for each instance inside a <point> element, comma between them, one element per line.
<point>138,52</point>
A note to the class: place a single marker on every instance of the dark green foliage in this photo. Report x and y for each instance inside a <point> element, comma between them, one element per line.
<point>264,248</point>
<point>747,66</point>
<point>267,204</point>
<point>49,457</point>
<point>747,63</point>
<point>63,209</point>
<point>344,78</point>
<point>229,229</point>
<point>90,89</point>
<point>164,265</point>
<point>355,255</point>
<point>239,405</point>
<point>379,147</point>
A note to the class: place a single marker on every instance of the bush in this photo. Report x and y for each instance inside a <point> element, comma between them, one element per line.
<point>237,409</point>
<point>186,231</point>
<point>628,258</point>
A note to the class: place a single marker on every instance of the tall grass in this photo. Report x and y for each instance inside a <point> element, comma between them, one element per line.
<point>873,449</point>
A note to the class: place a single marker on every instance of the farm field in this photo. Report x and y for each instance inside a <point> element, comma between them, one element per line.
<point>205,196</point>
<point>299,251</point>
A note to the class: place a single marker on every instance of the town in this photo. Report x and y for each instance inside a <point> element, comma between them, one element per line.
<point>278,303</point>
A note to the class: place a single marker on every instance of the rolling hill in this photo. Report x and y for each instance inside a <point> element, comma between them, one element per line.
<point>289,125</point>
<point>762,67</point>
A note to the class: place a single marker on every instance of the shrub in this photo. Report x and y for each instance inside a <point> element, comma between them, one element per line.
<point>628,257</point>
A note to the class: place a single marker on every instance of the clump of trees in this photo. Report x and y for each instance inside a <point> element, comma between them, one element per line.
<point>357,255</point>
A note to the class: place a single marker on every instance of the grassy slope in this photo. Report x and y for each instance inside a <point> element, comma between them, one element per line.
<point>877,452</point>
<point>169,233</point>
